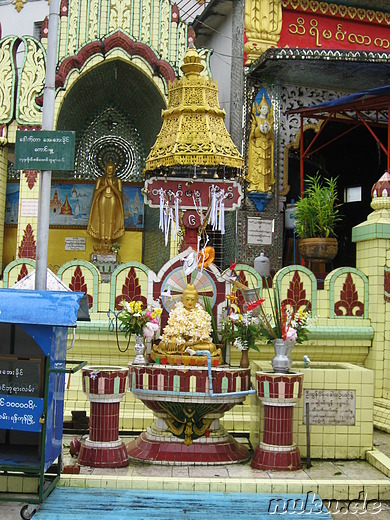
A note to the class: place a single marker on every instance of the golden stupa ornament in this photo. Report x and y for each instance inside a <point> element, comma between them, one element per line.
<point>193,129</point>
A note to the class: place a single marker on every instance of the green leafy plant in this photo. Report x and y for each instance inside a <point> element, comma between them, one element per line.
<point>115,246</point>
<point>317,213</point>
<point>209,310</point>
<point>241,330</point>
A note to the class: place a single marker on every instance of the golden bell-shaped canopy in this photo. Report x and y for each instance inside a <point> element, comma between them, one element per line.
<point>193,129</point>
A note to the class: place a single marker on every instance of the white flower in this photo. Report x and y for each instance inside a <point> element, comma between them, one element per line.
<point>240,344</point>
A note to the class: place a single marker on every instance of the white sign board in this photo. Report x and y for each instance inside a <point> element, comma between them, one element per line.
<point>260,231</point>
<point>29,208</point>
<point>330,407</point>
<point>74,244</point>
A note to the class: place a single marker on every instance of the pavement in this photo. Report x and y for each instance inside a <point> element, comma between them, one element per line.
<point>348,487</point>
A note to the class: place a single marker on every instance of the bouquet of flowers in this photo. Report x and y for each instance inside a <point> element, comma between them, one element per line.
<point>242,330</point>
<point>283,322</point>
<point>138,321</point>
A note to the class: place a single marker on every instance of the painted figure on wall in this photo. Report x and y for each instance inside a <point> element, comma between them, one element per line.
<point>261,143</point>
<point>106,219</point>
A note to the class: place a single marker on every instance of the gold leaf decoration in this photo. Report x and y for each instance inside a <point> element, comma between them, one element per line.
<point>31,83</point>
<point>7,75</point>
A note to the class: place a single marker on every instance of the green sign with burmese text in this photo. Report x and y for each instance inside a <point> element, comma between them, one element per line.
<point>44,150</point>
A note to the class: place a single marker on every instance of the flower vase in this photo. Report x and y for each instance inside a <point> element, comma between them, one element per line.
<point>244,363</point>
<point>281,362</point>
<point>139,348</point>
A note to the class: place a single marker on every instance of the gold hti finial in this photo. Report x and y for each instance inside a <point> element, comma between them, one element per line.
<point>192,63</point>
<point>193,129</point>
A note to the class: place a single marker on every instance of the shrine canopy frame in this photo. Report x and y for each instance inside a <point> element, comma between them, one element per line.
<point>369,108</point>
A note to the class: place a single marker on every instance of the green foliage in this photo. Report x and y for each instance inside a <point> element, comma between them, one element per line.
<point>317,213</point>
<point>209,310</point>
<point>241,330</point>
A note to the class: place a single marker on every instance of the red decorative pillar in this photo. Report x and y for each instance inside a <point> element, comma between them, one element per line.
<point>279,394</point>
<point>105,388</point>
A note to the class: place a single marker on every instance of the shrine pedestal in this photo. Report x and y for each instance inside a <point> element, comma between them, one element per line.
<point>105,388</point>
<point>187,412</point>
<point>279,393</point>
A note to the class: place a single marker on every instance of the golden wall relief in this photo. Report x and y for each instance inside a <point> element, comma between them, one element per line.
<point>31,83</point>
<point>263,23</point>
<point>8,79</point>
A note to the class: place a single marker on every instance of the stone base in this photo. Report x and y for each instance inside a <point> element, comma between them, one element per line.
<point>277,458</point>
<point>172,450</point>
<point>103,454</point>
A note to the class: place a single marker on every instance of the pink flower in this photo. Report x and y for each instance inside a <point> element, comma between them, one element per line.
<point>291,335</point>
<point>149,329</point>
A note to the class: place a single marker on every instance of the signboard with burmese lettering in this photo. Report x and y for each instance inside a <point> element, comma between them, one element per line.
<point>44,150</point>
<point>192,193</point>
<point>315,25</point>
<point>259,231</point>
<point>330,407</point>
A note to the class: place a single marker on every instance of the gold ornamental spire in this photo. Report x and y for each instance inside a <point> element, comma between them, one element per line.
<point>193,129</point>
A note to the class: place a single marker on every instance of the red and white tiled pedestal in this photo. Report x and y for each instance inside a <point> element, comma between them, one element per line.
<point>187,426</point>
<point>279,393</point>
<point>105,388</point>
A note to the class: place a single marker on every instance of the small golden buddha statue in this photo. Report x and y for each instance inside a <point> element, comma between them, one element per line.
<point>189,326</point>
<point>106,218</point>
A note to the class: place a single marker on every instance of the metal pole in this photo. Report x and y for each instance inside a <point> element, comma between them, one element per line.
<point>308,460</point>
<point>47,124</point>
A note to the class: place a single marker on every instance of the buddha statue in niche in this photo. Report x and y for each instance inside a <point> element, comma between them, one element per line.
<point>106,218</point>
<point>189,326</point>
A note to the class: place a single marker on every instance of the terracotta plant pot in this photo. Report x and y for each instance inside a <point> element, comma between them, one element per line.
<point>318,249</point>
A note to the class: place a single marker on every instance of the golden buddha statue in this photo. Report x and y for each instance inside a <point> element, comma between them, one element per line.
<point>188,327</point>
<point>260,148</point>
<point>106,218</point>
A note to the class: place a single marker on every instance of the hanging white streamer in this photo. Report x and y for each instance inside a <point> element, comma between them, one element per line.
<point>161,224</point>
<point>198,207</point>
<point>217,209</point>
<point>177,200</point>
<point>168,216</point>
<point>222,217</point>
<point>213,207</point>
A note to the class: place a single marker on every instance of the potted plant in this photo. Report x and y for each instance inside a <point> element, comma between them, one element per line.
<point>316,216</point>
<point>115,247</point>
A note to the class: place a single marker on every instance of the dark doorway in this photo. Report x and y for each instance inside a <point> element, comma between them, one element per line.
<point>357,161</point>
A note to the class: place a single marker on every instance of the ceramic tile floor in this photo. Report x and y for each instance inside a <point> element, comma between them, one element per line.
<point>320,469</point>
<point>336,480</point>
